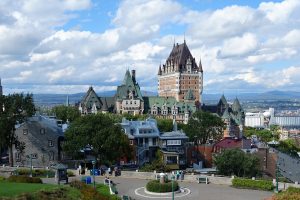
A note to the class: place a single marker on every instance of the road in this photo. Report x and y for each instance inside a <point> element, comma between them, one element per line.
<point>129,186</point>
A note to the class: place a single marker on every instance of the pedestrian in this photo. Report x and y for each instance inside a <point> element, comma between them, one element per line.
<point>177,174</point>
<point>109,171</point>
<point>79,170</point>
<point>181,175</point>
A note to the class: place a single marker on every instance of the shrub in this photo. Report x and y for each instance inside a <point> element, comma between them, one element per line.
<point>24,179</point>
<point>291,193</point>
<point>78,184</point>
<point>252,184</point>
<point>89,193</point>
<point>36,172</point>
<point>2,178</point>
<point>70,173</point>
<point>156,186</point>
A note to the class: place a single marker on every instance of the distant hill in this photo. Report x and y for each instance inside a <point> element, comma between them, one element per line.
<point>58,99</point>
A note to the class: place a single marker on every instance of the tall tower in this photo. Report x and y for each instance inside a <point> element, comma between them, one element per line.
<point>1,92</point>
<point>180,74</point>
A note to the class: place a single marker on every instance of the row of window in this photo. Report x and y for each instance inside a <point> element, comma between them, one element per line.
<point>34,156</point>
<point>42,131</point>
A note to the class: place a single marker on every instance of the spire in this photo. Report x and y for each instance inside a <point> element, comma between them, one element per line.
<point>159,70</point>
<point>184,38</point>
<point>226,114</point>
<point>236,106</point>
<point>174,125</point>
<point>200,66</point>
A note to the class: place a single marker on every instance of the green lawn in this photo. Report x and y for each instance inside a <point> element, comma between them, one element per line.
<point>9,189</point>
<point>103,189</point>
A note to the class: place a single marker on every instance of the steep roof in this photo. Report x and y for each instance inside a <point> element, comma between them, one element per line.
<point>236,106</point>
<point>90,98</point>
<point>179,55</point>
<point>222,100</point>
<point>128,85</point>
<point>226,114</point>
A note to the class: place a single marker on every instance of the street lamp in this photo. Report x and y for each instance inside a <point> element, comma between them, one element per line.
<point>30,156</point>
<point>172,178</point>
<point>94,162</point>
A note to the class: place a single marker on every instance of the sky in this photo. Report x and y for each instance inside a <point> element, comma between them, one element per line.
<point>65,46</point>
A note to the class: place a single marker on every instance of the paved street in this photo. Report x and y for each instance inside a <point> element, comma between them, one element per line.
<point>129,186</point>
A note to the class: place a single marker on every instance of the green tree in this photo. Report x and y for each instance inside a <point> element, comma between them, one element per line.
<point>203,126</point>
<point>164,125</point>
<point>15,109</point>
<point>66,113</point>
<point>100,132</point>
<point>236,162</point>
<point>289,146</point>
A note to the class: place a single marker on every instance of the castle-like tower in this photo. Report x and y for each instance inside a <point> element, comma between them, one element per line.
<point>180,75</point>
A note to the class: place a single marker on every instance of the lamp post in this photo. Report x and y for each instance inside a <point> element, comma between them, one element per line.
<point>173,177</point>
<point>94,162</point>
<point>30,156</point>
<point>276,173</point>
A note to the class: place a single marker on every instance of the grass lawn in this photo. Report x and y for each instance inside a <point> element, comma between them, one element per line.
<point>9,189</point>
<point>103,189</point>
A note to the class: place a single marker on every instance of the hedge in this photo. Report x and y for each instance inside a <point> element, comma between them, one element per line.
<point>252,184</point>
<point>24,179</point>
<point>156,186</point>
<point>36,172</point>
<point>2,178</point>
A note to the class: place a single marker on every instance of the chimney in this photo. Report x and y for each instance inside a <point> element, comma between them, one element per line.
<point>133,75</point>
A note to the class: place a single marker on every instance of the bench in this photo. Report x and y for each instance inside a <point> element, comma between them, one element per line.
<point>202,179</point>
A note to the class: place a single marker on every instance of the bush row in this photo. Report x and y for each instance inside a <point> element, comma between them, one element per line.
<point>2,178</point>
<point>24,179</point>
<point>156,186</point>
<point>36,172</point>
<point>252,184</point>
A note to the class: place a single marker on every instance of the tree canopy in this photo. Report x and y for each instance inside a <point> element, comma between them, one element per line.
<point>264,134</point>
<point>14,110</point>
<point>106,139</point>
<point>203,126</point>
<point>236,162</point>
<point>66,113</point>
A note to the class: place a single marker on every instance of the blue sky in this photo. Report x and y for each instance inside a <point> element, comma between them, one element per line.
<point>64,46</point>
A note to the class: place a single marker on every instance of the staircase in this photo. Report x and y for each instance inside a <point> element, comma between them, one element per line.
<point>141,155</point>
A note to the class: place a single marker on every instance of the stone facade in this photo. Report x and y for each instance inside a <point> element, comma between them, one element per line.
<point>41,138</point>
<point>180,74</point>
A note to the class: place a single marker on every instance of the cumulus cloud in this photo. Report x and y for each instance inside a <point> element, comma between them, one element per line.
<point>240,46</point>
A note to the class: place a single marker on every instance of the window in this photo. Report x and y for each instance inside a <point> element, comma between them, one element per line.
<point>173,142</point>
<point>50,143</point>
<point>51,155</point>
<point>42,131</point>
<point>25,131</point>
<point>131,142</point>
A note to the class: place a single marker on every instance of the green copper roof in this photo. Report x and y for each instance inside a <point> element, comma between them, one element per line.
<point>127,86</point>
<point>236,106</point>
<point>222,100</point>
<point>226,114</point>
<point>189,95</point>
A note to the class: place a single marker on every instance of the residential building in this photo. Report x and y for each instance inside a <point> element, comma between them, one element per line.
<point>147,139</point>
<point>41,140</point>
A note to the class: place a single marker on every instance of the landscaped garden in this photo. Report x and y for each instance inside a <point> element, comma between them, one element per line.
<point>27,188</point>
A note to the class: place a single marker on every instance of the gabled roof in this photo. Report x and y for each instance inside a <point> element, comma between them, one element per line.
<point>90,98</point>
